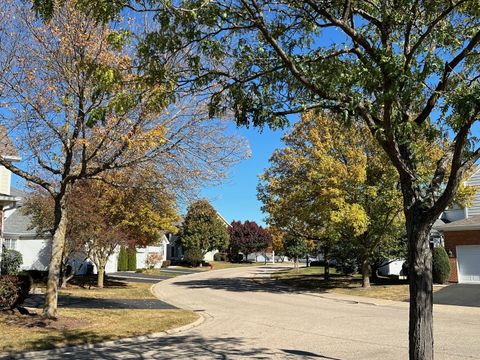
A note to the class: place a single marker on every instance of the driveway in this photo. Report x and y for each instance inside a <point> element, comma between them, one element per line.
<point>244,319</point>
<point>131,276</point>
<point>458,294</point>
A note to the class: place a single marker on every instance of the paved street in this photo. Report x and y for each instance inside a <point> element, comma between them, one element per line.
<point>245,319</point>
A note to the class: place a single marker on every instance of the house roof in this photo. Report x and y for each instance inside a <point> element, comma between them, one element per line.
<point>470,223</point>
<point>7,148</point>
<point>18,225</point>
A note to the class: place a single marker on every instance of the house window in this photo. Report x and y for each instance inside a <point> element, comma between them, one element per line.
<point>10,244</point>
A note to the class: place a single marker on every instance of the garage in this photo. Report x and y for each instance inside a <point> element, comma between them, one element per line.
<point>468,263</point>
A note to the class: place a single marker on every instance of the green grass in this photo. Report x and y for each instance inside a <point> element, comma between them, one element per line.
<point>157,272</point>
<point>312,279</point>
<point>218,265</point>
<point>84,326</point>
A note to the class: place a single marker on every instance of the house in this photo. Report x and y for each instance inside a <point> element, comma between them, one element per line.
<point>175,251</point>
<point>460,233</point>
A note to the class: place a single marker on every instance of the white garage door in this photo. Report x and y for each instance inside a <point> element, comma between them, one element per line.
<point>468,262</point>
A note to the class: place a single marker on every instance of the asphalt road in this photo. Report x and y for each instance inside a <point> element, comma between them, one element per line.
<point>245,319</point>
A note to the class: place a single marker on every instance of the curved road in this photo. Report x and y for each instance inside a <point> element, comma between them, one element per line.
<point>245,319</point>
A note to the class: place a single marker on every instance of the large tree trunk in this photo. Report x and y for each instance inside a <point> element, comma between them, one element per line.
<point>365,273</point>
<point>58,243</point>
<point>421,294</point>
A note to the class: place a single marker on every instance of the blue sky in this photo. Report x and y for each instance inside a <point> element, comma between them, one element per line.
<point>236,199</point>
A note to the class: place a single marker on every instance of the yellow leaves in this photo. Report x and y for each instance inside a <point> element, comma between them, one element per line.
<point>149,139</point>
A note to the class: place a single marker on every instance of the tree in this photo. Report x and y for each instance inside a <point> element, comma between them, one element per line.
<point>295,247</point>
<point>408,70</point>
<point>79,107</point>
<point>203,230</point>
<point>314,185</point>
<point>105,217</point>
<point>248,238</point>
<point>277,241</point>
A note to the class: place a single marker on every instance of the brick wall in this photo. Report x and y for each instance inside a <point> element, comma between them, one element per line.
<point>454,238</point>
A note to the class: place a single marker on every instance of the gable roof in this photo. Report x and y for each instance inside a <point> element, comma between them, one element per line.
<point>7,148</point>
<point>18,225</point>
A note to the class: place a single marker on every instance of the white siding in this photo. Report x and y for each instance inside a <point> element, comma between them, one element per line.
<point>142,254</point>
<point>35,253</point>
<point>5,176</point>
<point>474,181</point>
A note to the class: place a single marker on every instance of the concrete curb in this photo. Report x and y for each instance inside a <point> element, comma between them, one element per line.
<point>110,343</point>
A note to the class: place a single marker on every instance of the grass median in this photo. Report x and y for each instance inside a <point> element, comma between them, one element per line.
<point>77,325</point>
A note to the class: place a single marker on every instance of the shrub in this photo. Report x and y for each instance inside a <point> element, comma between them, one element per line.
<point>193,257</point>
<point>122,259</point>
<point>11,262</point>
<point>13,291</point>
<point>132,259</point>
<point>153,260</point>
<point>166,263</point>
<point>347,267</point>
<point>220,257</point>
<point>441,266</point>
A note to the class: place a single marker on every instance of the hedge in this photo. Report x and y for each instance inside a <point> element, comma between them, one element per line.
<point>132,259</point>
<point>122,259</point>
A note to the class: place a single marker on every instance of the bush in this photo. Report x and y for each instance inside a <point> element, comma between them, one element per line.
<point>166,263</point>
<point>441,266</point>
<point>220,257</point>
<point>132,259</point>
<point>122,259</point>
<point>153,260</point>
<point>235,257</point>
<point>347,267</point>
<point>13,291</point>
<point>11,262</point>
<point>193,257</point>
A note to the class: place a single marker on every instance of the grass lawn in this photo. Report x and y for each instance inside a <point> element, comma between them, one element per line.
<point>157,272</point>
<point>86,325</point>
<point>218,265</point>
<point>312,279</point>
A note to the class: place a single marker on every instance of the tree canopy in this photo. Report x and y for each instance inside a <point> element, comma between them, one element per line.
<point>202,229</point>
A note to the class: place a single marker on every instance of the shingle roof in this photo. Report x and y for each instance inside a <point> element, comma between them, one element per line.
<point>472,223</point>
<point>18,224</point>
<point>7,148</point>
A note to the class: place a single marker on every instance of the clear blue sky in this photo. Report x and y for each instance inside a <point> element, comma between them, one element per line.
<point>236,199</point>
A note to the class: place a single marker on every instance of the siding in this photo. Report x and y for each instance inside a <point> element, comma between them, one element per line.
<point>4,181</point>
<point>474,181</point>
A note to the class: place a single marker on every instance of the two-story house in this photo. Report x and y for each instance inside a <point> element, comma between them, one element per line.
<point>461,237</point>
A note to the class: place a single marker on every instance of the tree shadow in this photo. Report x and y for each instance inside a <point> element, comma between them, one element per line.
<point>78,302</point>
<point>183,346</point>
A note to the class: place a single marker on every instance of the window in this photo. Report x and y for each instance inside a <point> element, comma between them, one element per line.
<point>10,244</point>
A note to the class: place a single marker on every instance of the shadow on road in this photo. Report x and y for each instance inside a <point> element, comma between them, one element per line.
<point>176,347</point>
